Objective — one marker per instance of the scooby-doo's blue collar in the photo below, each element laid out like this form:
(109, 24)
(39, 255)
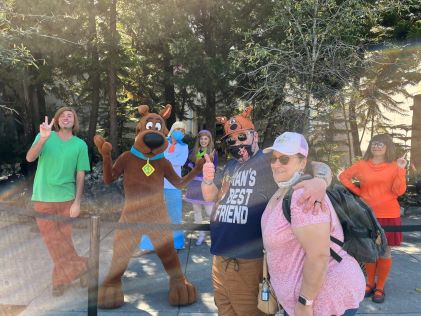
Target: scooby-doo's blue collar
(138, 154)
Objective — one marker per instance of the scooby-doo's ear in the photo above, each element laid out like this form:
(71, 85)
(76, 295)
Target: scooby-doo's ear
(166, 112)
(247, 111)
(221, 119)
(143, 109)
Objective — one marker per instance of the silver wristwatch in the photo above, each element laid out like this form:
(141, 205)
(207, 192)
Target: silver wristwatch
(305, 301)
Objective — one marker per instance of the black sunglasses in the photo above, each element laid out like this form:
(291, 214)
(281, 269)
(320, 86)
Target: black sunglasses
(283, 160)
(241, 137)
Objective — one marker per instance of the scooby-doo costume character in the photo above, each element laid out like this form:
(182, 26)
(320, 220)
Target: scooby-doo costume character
(144, 168)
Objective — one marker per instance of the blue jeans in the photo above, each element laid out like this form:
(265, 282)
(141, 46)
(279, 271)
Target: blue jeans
(348, 312)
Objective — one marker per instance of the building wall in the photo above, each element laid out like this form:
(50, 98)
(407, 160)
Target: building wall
(416, 133)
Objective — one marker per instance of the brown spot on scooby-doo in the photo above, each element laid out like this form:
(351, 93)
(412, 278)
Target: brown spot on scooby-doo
(144, 203)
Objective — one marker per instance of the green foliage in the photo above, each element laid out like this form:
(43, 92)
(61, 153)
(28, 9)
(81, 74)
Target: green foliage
(387, 73)
(11, 150)
(190, 140)
(11, 55)
(329, 153)
(414, 32)
(292, 59)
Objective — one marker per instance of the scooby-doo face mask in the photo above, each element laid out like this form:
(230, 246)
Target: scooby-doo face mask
(239, 134)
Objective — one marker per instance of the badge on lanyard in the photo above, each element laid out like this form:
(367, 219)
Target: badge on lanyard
(148, 169)
(201, 153)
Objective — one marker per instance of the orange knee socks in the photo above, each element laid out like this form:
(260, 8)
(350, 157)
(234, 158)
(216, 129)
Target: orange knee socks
(383, 269)
(370, 269)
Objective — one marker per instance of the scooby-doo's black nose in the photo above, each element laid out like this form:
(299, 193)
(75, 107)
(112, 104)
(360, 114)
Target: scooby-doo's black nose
(153, 140)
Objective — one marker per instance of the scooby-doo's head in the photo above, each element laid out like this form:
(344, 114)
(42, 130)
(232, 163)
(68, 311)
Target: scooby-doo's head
(151, 131)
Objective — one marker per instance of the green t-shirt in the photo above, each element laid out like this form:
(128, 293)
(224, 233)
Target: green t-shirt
(55, 179)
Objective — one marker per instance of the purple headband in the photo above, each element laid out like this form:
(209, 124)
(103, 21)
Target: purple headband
(205, 131)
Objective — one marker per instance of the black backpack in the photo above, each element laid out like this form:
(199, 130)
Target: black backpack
(364, 238)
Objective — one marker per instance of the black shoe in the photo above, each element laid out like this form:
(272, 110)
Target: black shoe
(378, 296)
(369, 290)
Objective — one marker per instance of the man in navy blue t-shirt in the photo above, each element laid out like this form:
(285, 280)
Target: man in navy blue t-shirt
(241, 192)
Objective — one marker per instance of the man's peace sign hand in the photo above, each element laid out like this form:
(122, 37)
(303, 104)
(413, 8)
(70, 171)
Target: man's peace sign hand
(45, 128)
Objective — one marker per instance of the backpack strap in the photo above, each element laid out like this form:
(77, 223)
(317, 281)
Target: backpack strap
(286, 205)
(286, 209)
(337, 241)
(333, 253)
(286, 201)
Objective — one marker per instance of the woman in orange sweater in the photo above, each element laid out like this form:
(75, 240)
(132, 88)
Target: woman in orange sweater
(382, 180)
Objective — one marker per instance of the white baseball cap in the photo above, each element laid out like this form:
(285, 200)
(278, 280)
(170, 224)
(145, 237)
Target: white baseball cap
(289, 143)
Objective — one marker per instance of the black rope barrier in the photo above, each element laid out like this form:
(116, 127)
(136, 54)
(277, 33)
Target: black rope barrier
(402, 228)
(13, 211)
(18, 211)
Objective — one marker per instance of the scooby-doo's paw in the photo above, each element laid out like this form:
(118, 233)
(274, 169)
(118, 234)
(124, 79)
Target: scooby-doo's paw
(103, 147)
(182, 292)
(99, 140)
(110, 296)
(200, 163)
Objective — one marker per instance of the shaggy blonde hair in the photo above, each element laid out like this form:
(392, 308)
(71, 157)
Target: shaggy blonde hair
(75, 128)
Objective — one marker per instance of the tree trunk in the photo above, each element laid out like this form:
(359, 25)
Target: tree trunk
(210, 115)
(94, 75)
(372, 126)
(36, 94)
(169, 89)
(112, 77)
(36, 119)
(210, 51)
(267, 134)
(307, 118)
(356, 143)
(352, 108)
(354, 127)
(347, 130)
(29, 127)
(41, 100)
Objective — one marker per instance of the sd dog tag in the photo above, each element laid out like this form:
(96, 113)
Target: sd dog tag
(148, 169)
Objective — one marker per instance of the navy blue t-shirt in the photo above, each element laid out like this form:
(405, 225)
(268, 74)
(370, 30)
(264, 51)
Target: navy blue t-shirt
(244, 190)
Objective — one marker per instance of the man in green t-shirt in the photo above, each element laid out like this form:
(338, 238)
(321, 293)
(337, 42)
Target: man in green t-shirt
(58, 186)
